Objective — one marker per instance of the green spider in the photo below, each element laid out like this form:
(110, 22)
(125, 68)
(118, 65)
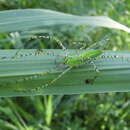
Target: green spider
(69, 60)
(73, 61)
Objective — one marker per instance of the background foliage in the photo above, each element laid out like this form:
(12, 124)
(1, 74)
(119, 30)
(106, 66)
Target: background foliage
(72, 112)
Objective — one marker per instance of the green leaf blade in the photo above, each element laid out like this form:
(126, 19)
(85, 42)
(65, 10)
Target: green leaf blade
(27, 19)
(23, 74)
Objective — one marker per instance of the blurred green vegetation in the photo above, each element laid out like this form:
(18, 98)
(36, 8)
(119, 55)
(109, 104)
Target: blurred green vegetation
(74, 112)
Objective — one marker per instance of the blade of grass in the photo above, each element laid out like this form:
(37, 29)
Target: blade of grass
(113, 76)
(26, 19)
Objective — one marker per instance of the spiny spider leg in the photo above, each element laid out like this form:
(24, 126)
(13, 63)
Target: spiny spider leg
(68, 69)
(59, 76)
(41, 52)
(102, 43)
(60, 43)
(45, 85)
(36, 53)
(95, 67)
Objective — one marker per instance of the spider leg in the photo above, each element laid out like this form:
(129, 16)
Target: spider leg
(59, 76)
(95, 67)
